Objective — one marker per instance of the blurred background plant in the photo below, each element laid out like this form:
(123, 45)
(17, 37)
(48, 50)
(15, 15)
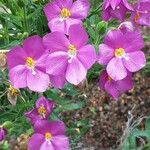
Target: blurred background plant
(22, 18)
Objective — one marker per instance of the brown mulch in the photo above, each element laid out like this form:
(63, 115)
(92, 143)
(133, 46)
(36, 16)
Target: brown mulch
(111, 116)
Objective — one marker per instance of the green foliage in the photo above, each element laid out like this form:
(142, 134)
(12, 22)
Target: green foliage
(133, 140)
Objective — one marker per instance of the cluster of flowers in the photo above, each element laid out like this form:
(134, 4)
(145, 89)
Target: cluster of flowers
(121, 52)
(64, 56)
(48, 135)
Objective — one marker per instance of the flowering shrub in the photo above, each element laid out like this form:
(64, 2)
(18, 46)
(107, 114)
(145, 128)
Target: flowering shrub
(41, 63)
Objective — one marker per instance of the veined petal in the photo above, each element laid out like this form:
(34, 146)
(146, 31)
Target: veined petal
(60, 142)
(69, 22)
(133, 41)
(64, 3)
(52, 10)
(18, 76)
(114, 3)
(116, 69)
(114, 39)
(57, 63)
(87, 55)
(38, 81)
(35, 141)
(16, 56)
(58, 81)
(57, 24)
(47, 145)
(56, 41)
(135, 61)
(76, 72)
(34, 46)
(80, 9)
(78, 36)
(106, 53)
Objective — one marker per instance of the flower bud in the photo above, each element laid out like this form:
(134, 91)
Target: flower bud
(102, 27)
(7, 125)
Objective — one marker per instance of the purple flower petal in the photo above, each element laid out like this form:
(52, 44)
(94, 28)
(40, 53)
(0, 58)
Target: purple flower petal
(34, 46)
(112, 89)
(3, 133)
(60, 142)
(114, 3)
(106, 53)
(127, 5)
(136, 41)
(103, 79)
(80, 9)
(58, 81)
(47, 145)
(52, 10)
(36, 141)
(57, 24)
(71, 21)
(119, 12)
(116, 69)
(32, 115)
(87, 55)
(78, 36)
(37, 82)
(114, 39)
(135, 61)
(54, 127)
(64, 3)
(76, 72)
(18, 76)
(116, 88)
(16, 56)
(57, 63)
(106, 14)
(125, 84)
(56, 41)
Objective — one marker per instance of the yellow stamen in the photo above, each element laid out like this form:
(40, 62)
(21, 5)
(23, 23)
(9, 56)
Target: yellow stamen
(30, 62)
(65, 13)
(48, 136)
(13, 91)
(42, 110)
(137, 16)
(72, 49)
(119, 52)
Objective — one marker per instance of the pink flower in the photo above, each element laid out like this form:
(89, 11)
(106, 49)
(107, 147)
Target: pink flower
(3, 133)
(44, 108)
(27, 65)
(115, 88)
(61, 14)
(122, 53)
(115, 9)
(49, 136)
(141, 14)
(69, 55)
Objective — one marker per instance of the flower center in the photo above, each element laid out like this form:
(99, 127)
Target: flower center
(42, 111)
(109, 78)
(65, 13)
(30, 62)
(119, 52)
(72, 50)
(137, 16)
(48, 136)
